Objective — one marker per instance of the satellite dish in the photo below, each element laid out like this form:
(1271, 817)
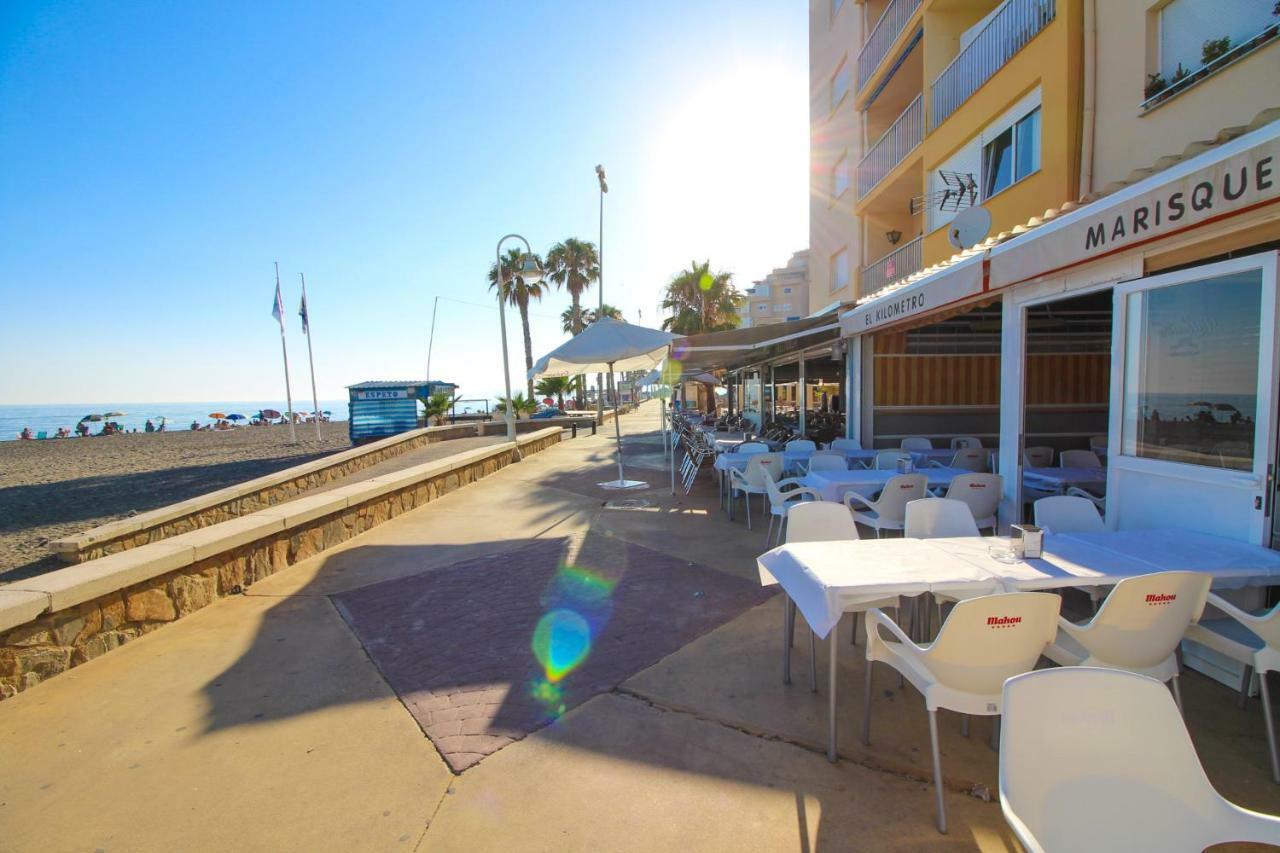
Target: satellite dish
(969, 228)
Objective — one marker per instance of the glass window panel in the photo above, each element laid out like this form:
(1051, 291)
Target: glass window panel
(840, 178)
(997, 164)
(1191, 371)
(1027, 145)
(839, 84)
(1186, 24)
(840, 271)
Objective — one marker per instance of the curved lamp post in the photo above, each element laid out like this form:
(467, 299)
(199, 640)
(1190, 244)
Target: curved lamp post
(531, 273)
(604, 188)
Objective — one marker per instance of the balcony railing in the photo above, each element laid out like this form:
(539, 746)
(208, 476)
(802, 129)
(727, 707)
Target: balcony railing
(1003, 36)
(902, 137)
(882, 36)
(898, 264)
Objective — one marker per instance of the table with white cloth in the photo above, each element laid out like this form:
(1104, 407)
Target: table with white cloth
(1058, 480)
(791, 460)
(920, 457)
(825, 578)
(833, 485)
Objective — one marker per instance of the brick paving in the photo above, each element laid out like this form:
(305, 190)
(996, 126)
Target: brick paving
(488, 650)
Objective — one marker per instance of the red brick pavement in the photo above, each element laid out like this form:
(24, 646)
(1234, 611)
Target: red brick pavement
(466, 647)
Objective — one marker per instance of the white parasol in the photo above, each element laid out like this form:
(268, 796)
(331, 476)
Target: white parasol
(606, 346)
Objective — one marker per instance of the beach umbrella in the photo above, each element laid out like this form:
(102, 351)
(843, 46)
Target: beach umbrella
(1201, 403)
(269, 413)
(326, 412)
(217, 416)
(114, 414)
(93, 418)
(236, 417)
(1225, 407)
(607, 345)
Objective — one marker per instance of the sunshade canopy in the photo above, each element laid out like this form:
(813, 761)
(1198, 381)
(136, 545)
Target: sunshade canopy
(605, 345)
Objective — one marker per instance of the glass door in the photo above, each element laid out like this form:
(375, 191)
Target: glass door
(1193, 400)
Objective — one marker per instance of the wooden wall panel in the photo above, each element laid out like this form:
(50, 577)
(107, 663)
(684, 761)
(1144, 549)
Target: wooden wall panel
(974, 380)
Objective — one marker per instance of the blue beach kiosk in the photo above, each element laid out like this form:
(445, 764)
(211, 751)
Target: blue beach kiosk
(381, 409)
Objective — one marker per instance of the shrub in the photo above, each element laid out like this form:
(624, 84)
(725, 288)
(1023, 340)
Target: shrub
(1214, 48)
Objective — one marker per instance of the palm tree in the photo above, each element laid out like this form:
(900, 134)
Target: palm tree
(556, 386)
(438, 405)
(520, 404)
(516, 291)
(701, 301)
(573, 264)
(568, 319)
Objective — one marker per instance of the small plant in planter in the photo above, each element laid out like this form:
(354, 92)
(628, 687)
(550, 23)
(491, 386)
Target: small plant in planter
(1155, 85)
(1180, 74)
(1214, 49)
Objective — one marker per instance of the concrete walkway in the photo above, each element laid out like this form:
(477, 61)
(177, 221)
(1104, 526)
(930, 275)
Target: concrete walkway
(260, 723)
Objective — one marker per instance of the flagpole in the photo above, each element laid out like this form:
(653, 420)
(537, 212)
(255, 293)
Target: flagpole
(306, 327)
(284, 350)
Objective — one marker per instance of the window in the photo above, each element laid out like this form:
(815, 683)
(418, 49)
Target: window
(762, 307)
(840, 270)
(840, 177)
(786, 290)
(839, 84)
(1185, 25)
(836, 5)
(1013, 154)
(1191, 371)
(782, 308)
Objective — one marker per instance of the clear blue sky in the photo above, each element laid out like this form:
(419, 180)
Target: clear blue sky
(158, 157)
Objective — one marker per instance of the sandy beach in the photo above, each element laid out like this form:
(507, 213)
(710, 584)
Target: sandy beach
(49, 489)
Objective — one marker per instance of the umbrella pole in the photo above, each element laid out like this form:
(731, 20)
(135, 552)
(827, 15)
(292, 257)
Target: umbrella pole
(617, 427)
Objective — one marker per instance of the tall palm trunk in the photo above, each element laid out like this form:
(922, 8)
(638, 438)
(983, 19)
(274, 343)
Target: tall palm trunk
(528, 349)
(579, 392)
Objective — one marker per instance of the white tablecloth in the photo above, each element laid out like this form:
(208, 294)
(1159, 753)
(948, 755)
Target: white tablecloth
(1059, 479)
(832, 485)
(791, 460)
(824, 577)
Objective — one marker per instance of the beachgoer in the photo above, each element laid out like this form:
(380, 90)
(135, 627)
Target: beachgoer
(63, 432)
(26, 434)
(150, 427)
(82, 429)
(195, 426)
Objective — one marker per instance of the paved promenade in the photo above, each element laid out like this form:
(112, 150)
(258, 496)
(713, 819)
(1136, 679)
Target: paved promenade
(300, 715)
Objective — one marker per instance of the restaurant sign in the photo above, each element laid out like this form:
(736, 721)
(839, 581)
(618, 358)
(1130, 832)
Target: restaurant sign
(1234, 182)
(925, 296)
(384, 394)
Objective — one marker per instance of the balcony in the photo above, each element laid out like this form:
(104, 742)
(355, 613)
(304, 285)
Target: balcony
(902, 137)
(898, 264)
(886, 31)
(1006, 34)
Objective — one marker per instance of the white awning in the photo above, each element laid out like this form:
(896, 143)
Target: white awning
(926, 295)
(1228, 179)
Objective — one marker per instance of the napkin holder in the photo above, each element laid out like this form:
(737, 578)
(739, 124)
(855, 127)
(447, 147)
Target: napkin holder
(906, 465)
(1027, 540)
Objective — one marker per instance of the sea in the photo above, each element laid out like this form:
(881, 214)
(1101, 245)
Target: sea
(179, 416)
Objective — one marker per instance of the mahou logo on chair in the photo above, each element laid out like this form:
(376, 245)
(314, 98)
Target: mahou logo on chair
(1161, 597)
(1003, 621)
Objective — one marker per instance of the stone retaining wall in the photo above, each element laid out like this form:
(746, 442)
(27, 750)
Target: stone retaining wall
(253, 495)
(93, 613)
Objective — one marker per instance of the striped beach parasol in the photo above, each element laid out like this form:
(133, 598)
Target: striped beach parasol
(217, 416)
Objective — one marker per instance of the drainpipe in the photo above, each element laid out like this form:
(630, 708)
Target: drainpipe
(1089, 96)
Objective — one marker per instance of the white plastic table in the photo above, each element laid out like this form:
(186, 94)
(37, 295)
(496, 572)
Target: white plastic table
(823, 578)
(1060, 479)
(833, 485)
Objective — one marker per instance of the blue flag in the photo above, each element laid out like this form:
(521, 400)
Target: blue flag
(277, 309)
(302, 312)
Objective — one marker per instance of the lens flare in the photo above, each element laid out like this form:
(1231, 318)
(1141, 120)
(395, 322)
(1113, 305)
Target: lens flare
(561, 641)
(705, 281)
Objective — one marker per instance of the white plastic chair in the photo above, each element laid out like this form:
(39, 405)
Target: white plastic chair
(1079, 459)
(783, 496)
(916, 442)
(967, 460)
(1068, 514)
(821, 521)
(801, 444)
(752, 447)
(938, 518)
(1138, 628)
(1038, 457)
(1253, 639)
(751, 481)
(1098, 444)
(1100, 760)
(845, 444)
(827, 460)
(984, 641)
(889, 511)
(981, 493)
(887, 460)
(1099, 501)
(966, 442)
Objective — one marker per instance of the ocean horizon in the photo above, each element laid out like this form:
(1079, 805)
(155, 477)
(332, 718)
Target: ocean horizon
(50, 416)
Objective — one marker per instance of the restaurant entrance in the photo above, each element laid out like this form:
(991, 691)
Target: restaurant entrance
(1066, 389)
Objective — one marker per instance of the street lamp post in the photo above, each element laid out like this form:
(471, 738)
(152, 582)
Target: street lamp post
(531, 273)
(604, 188)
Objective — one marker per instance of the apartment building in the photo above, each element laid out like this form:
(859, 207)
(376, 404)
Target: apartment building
(835, 146)
(780, 296)
(955, 104)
